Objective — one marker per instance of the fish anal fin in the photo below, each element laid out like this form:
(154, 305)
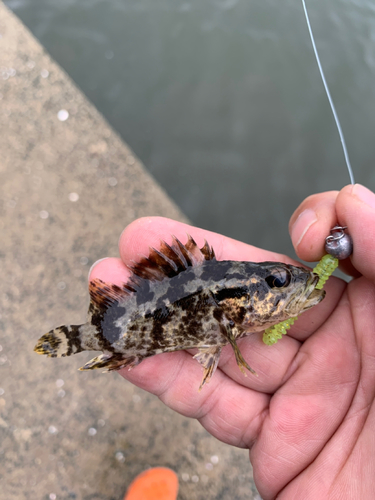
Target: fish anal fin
(208, 357)
(111, 362)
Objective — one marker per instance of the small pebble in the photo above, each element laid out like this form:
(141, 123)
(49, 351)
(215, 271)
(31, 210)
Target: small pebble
(209, 466)
(44, 73)
(214, 459)
(73, 197)
(195, 479)
(1, 391)
(63, 115)
(92, 431)
(43, 214)
(52, 496)
(52, 429)
(112, 181)
(59, 382)
(185, 477)
(120, 457)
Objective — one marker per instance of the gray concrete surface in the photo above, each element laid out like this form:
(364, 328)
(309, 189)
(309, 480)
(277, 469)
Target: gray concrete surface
(68, 188)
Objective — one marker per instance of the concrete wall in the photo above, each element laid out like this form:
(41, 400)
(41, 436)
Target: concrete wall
(68, 187)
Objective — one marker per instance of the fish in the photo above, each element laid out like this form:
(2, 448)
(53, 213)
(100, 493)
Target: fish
(182, 297)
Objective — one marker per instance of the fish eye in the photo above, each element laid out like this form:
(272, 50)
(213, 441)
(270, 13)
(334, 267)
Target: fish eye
(279, 278)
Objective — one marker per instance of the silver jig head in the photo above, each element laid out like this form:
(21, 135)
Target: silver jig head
(339, 244)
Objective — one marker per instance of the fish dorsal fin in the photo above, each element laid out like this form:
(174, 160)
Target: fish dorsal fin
(168, 261)
(172, 259)
(208, 251)
(104, 294)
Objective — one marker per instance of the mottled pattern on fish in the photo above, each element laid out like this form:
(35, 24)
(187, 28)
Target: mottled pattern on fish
(181, 297)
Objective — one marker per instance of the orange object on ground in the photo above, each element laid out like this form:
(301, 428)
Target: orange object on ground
(158, 483)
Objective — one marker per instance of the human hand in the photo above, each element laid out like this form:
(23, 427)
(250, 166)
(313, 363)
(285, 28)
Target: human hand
(308, 419)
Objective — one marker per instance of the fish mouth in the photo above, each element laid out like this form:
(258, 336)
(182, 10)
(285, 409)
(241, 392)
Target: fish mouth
(312, 295)
(308, 297)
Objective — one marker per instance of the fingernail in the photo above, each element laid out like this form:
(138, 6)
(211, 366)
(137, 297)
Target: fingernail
(304, 221)
(95, 264)
(364, 195)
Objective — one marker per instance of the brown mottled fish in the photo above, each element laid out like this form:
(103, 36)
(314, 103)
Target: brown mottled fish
(181, 297)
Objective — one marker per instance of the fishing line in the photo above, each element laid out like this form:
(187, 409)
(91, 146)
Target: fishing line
(339, 245)
(329, 96)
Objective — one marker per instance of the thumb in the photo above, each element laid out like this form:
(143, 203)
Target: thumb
(355, 208)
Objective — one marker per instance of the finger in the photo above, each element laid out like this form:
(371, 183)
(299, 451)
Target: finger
(311, 224)
(147, 232)
(355, 208)
(110, 270)
(140, 235)
(229, 411)
(316, 216)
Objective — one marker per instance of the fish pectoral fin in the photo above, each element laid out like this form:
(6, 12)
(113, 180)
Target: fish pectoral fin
(239, 358)
(111, 362)
(208, 357)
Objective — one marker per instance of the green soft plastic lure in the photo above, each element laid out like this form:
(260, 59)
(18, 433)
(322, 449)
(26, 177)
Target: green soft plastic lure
(323, 269)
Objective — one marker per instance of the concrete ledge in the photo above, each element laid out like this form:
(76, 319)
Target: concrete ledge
(69, 186)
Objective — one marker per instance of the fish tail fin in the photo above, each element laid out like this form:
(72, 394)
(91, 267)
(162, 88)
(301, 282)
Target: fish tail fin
(60, 342)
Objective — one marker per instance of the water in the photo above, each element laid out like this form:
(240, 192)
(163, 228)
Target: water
(222, 99)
